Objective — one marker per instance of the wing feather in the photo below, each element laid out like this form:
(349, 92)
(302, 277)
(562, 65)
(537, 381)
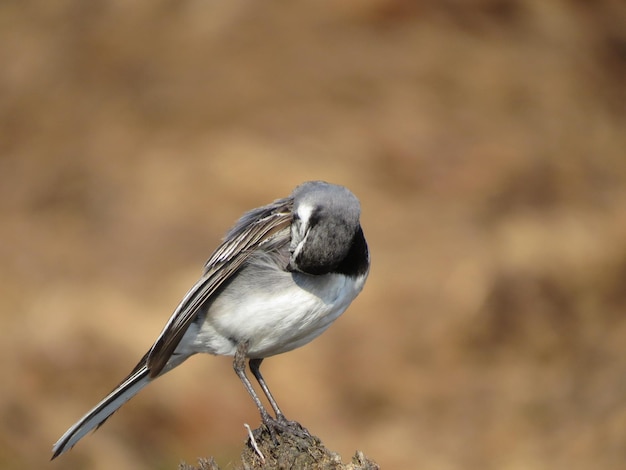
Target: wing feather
(252, 231)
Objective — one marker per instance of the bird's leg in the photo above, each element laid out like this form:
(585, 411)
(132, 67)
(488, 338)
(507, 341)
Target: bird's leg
(255, 365)
(239, 364)
(281, 423)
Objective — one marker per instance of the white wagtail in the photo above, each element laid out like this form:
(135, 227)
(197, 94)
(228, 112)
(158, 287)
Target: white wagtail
(282, 275)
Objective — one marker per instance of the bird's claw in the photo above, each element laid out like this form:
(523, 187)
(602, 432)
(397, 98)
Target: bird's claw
(282, 425)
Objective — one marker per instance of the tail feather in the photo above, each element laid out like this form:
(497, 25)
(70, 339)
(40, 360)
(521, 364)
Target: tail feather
(137, 380)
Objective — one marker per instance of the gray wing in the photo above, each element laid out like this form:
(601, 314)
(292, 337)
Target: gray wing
(252, 231)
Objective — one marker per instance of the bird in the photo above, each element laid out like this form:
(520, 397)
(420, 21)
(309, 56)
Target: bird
(281, 276)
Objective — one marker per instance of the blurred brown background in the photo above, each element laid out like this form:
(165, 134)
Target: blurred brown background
(486, 140)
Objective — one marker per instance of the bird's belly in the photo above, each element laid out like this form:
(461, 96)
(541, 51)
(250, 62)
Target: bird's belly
(276, 320)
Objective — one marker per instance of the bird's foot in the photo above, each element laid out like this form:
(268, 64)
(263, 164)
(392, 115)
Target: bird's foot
(281, 425)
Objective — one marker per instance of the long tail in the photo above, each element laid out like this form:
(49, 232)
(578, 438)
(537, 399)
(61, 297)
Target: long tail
(137, 380)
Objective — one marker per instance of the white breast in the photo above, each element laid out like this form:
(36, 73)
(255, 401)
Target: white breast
(276, 316)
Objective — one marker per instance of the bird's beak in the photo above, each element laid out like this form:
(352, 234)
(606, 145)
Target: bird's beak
(290, 267)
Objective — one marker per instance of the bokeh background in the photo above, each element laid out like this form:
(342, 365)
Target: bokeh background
(486, 140)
